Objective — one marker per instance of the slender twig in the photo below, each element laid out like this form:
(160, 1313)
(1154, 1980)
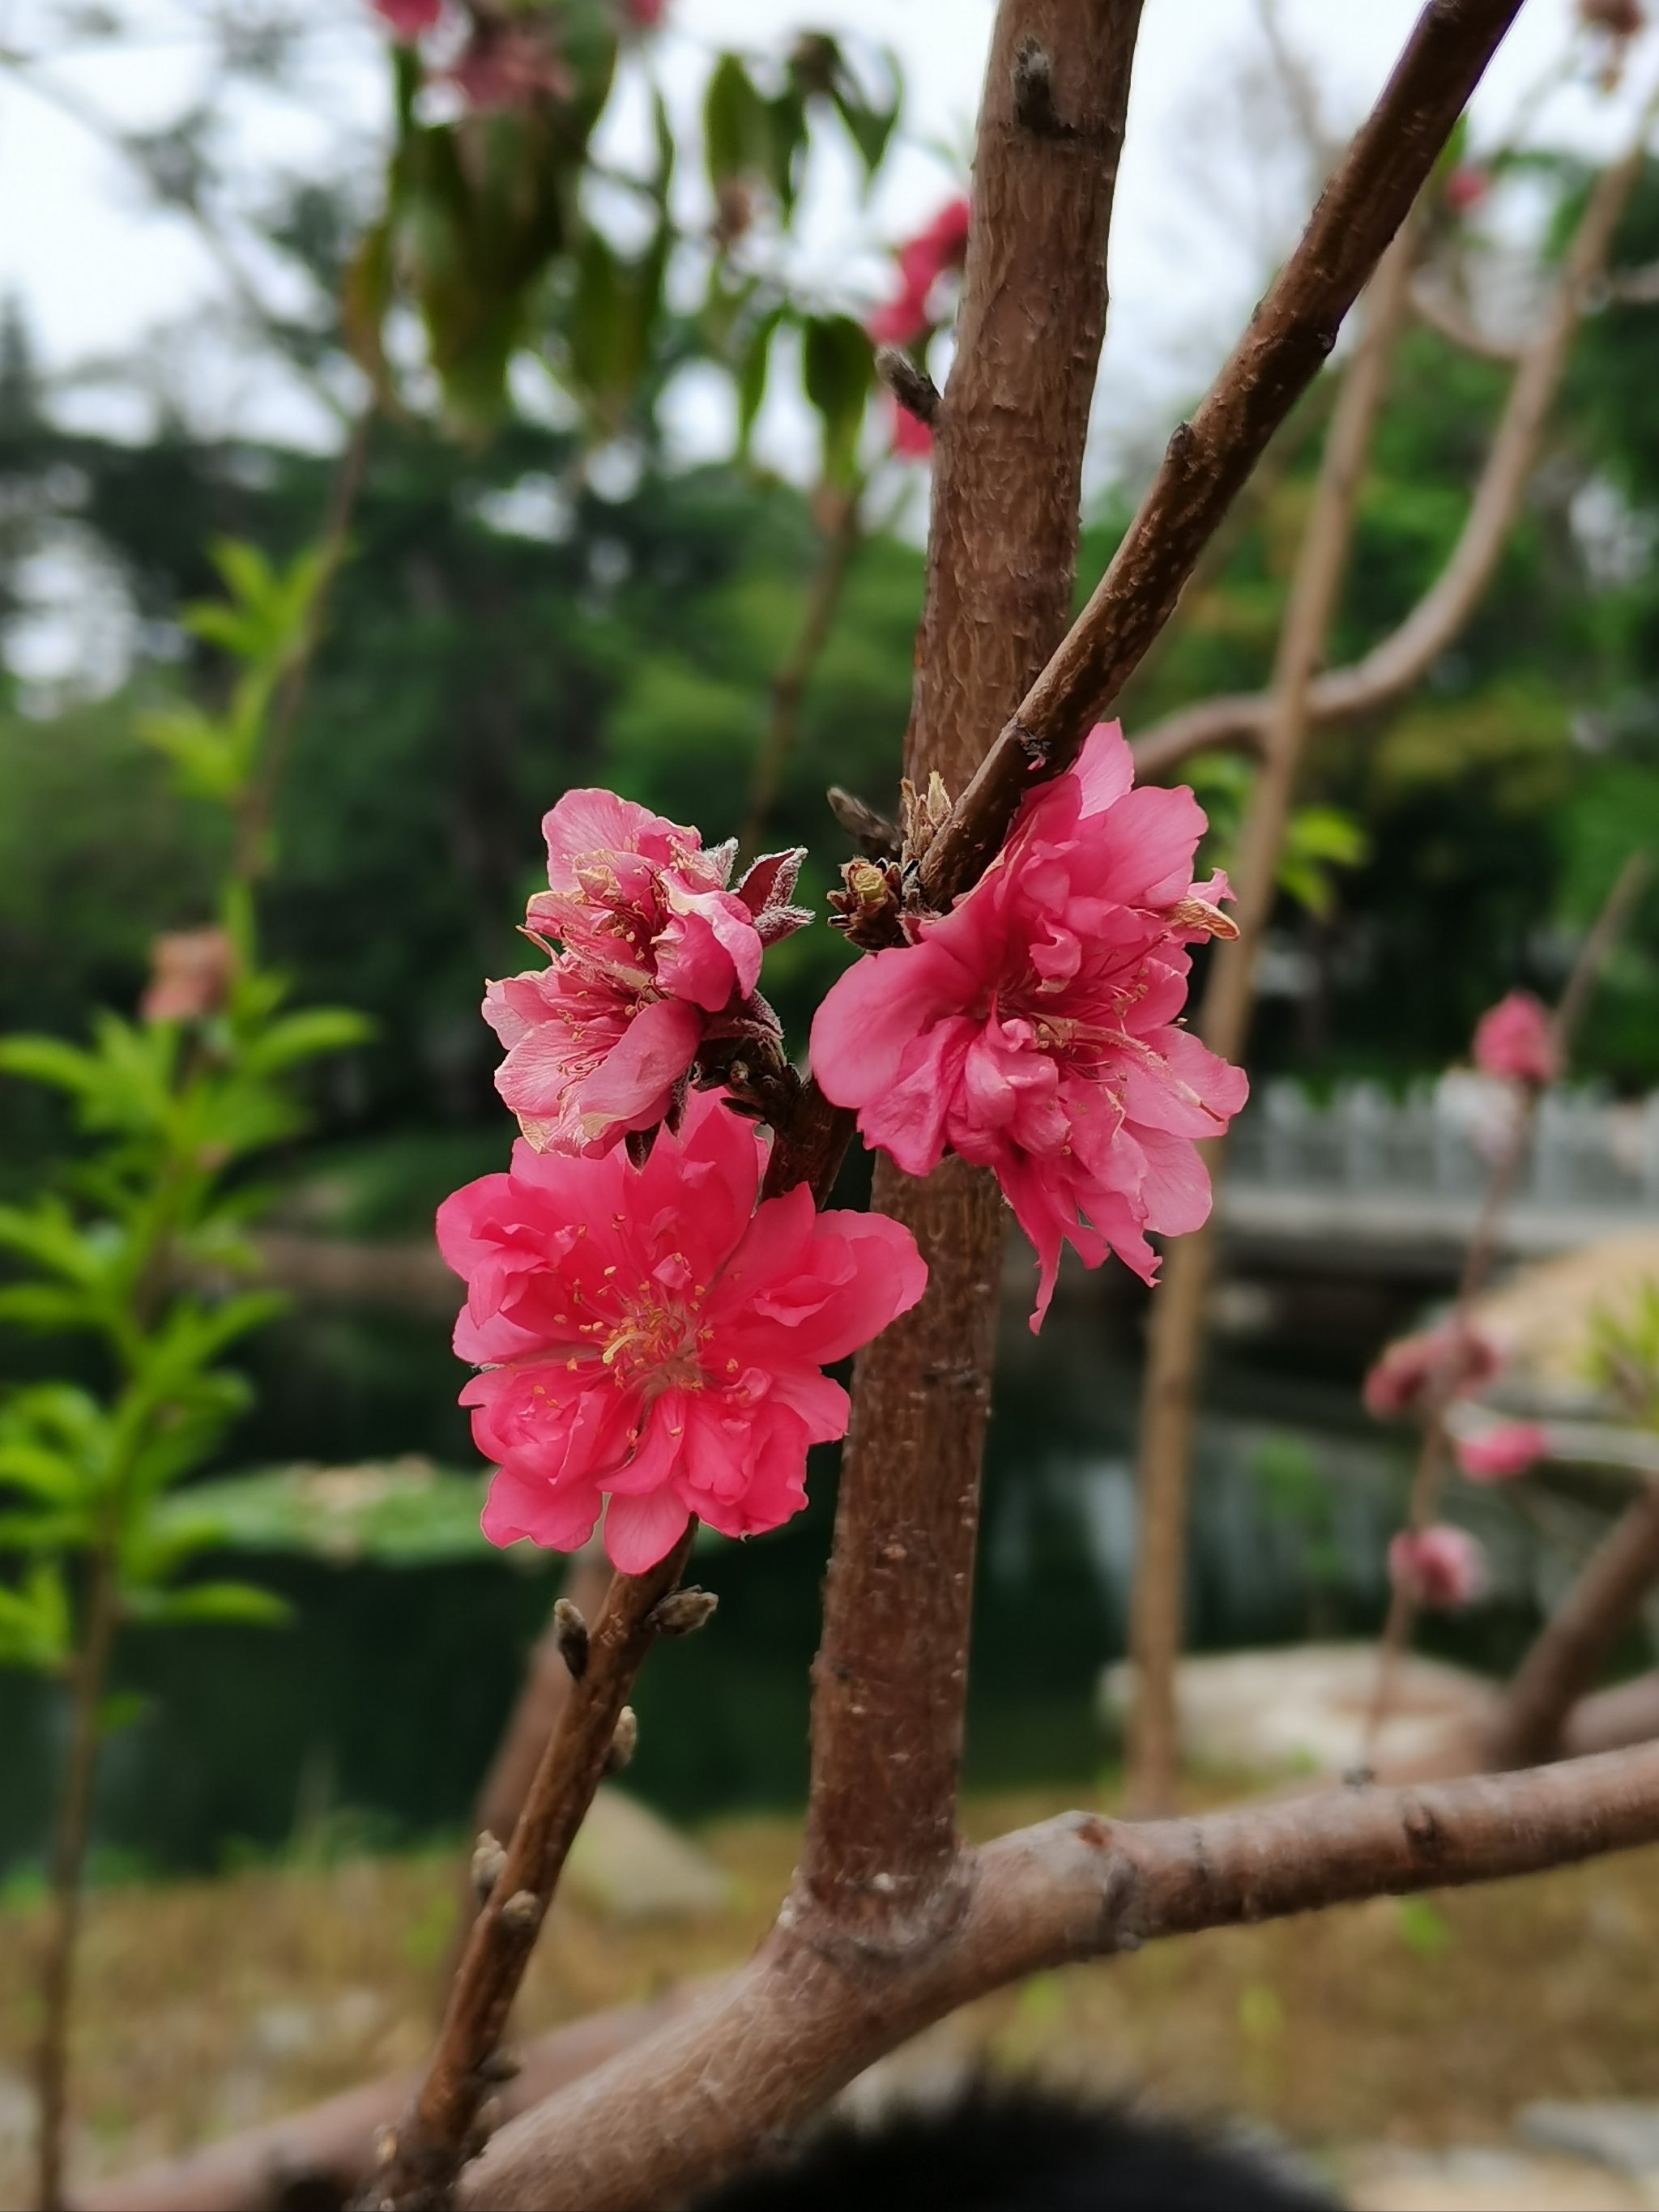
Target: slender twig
(67, 1869)
(1576, 1640)
(422, 2156)
(841, 532)
(1208, 459)
(259, 803)
(1435, 1453)
(1177, 1329)
(1401, 658)
(535, 1717)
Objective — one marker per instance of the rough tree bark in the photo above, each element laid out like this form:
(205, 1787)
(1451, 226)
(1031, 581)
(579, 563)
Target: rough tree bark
(891, 1672)
(1176, 1343)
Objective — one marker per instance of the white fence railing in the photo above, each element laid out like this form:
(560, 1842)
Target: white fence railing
(1588, 1153)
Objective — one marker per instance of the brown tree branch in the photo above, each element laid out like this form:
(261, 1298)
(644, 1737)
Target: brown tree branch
(814, 2008)
(1177, 1324)
(1576, 1640)
(1401, 658)
(1432, 1460)
(425, 2153)
(530, 1725)
(1450, 319)
(1208, 459)
(890, 1676)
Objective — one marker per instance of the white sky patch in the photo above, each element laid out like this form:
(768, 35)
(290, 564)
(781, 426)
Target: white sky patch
(1207, 198)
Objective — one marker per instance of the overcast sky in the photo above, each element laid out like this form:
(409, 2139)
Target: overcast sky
(1204, 204)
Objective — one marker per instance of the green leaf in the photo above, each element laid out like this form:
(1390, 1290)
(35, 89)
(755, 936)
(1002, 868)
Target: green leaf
(49, 1306)
(35, 1627)
(48, 1060)
(393, 1513)
(754, 365)
(122, 1709)
(241, 1602)
(734, 129)
(1423, 1927)
(304, 1035)
(837, 367)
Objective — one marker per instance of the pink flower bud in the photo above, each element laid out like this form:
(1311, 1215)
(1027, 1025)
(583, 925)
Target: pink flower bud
(191, 976)
(1438, 1566)
(408, 19)
(1508, 1448)
(1415, 1373)
(1517, 1038)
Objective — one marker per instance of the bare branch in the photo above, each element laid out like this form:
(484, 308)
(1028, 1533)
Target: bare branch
(1406, 654)
(1177, 1322)
(1577, 1639)
(425, 2152)
(766, 2049)
(1208, 459)
(1450, 319)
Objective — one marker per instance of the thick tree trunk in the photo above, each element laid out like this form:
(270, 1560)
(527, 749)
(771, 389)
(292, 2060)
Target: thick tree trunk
(891, 1673)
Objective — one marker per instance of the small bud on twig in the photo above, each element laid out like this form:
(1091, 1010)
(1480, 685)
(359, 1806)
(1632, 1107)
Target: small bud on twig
(570, 1634)
(1034, 93)
(498, 2066)
(908, 382)
(489, 1857)
(624, 1742)
(683, 1612)
(522, 1913)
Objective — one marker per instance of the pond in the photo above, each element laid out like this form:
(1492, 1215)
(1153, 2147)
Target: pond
(369, 1720)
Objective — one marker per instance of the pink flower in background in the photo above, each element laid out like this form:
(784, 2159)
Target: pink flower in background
(658, 956)
(408, 19)
(192, 971)
(1517, 1038)
(1465, 188)
(506, 65)
(643, 15)
(1496, 1453)
(647, 1334)
(913, 439)
(1445, 1363)
(1437, 1567)
(1034, 1029)
(942, 245)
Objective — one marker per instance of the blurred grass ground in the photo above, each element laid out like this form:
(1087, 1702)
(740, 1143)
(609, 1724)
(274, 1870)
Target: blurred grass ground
(209, 2005)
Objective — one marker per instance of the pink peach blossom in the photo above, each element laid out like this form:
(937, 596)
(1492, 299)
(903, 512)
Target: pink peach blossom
(1517, 1038)
(509, 65)
(646, 1333)
(913, 439)
(1035, 1028)
(658, 956)
(1465, 188)
(921, 263)
(1508, 1448)
(1437, 1567)
(1410, 1376)
(408, 19)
